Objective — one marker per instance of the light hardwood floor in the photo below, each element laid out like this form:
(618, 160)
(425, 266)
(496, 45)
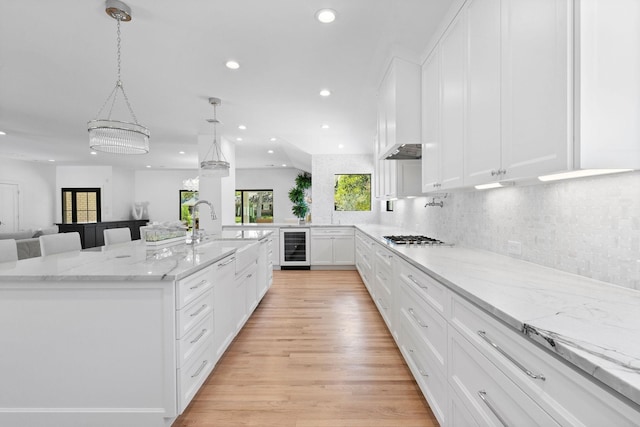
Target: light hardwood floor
(314, 353)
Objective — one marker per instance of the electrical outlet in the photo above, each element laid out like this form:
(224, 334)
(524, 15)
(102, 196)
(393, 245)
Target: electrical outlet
(514, 248)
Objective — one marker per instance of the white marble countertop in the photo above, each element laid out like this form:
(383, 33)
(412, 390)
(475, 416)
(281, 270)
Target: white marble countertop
(591, 324)
(284, 225)
(132, 261)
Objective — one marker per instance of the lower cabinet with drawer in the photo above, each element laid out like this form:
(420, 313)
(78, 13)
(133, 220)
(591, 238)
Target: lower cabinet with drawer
(384, 277)
(332, 246)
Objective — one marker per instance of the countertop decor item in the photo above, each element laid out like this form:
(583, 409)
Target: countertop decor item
(218, 164)
(115, 136)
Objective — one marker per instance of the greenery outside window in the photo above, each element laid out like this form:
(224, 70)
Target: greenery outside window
(188, 198)
(80, 205)
(254, 206)
(352, 192)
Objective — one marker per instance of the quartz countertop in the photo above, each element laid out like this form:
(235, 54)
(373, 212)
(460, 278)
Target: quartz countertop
(131, 261)
(284, 225)
(593, 325)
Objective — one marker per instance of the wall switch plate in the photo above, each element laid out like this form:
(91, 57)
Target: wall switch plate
(514, 248)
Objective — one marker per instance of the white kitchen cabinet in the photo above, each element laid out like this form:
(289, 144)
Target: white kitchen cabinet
(223, 291)
(431, 95)
(607, 85)
(452, 79)
(536, 80)
(567, 396)
(483, 142)
(245, 295)
(384, 284)
(332, 246)
(399, 105)
(364, 259)
(265, 266)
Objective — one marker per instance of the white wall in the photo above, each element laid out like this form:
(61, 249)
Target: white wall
(589, 226)
(324, 167)
(161, 188)
(36, 183)
(279, 180)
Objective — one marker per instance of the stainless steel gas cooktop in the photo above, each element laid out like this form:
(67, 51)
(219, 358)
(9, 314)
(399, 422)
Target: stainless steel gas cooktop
(416, 240)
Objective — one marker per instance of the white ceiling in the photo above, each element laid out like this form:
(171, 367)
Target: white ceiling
(58, 64)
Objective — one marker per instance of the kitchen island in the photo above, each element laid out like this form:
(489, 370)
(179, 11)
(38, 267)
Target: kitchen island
(492, 339)
(124, 335)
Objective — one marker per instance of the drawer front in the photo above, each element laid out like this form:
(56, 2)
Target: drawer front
(561, 391)
(195, 340)
(338, 231)
(192, 314)
(384, 258)
(491, 398)
(430, 375)
(193, 286)
(191, 377)
(428, 324)
(429, 289)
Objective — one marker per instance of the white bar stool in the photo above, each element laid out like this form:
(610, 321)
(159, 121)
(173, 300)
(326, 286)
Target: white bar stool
(116, 235)
(57, 243)
(8, 250)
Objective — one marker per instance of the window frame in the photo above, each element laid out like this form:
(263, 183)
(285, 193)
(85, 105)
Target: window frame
(74, 207)
(242, 191)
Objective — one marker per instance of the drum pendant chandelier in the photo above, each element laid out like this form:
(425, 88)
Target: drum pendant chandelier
(218, 164)
(115, 136)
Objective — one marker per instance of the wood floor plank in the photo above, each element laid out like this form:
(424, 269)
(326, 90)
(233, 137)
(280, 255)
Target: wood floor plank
(315, 353)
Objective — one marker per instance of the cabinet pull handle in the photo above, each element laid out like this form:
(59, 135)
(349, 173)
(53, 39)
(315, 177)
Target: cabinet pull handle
(249, 275)
(417, 319)
(202, 282)
(199, 310)
(200, 335)
(222, 264)
(417, 283)
(422, 371)
(204, 363)
(382, 305)
(520, 366)
(485, 399)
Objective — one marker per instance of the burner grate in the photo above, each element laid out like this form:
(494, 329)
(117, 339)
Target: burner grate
(414, 240)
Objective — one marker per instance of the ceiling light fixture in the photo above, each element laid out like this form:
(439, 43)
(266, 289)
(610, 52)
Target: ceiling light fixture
(325, 126)
(239, 139)
(2, 133)
(341, 146)
(284, 165)
(242, 127)
(93, 153)
(232, 65)
(270, 151)
(218, 165)
(325, 92)
(272, 139)
(180, 152)
(326, 16)
(115, 136)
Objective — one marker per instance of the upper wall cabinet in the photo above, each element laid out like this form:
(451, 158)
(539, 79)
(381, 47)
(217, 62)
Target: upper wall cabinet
(399, 106)
(542, 88)
(607, 85)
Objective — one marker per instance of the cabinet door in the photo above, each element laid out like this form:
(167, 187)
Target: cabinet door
(408, 178)
(535, 101)
(343, 250)
(482, 149)
(431, 122)
(321, 250)
(223, 279)
(453, 57)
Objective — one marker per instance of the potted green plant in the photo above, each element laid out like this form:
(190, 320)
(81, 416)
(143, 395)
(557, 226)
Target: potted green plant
(297, 196)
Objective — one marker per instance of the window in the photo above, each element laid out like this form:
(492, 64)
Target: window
(188, 198)
(352, 192)
(254, 206)
(80, 205)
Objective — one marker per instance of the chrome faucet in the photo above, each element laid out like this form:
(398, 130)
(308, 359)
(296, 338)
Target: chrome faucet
(196, 227)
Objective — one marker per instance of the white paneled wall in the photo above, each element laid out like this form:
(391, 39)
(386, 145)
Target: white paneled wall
(589, 226)
(323, 169)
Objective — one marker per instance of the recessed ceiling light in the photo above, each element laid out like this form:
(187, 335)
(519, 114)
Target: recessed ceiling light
(325, 92)
(233, 65)
(2, 133)
(242, 127)
(284, 165)
(326, 16)
(341, 146)
(239, 139)
(181, 152)
(270, 151)
(325, 126)
(272, 139)
(148, 166)
(51, 160)
(93, 153)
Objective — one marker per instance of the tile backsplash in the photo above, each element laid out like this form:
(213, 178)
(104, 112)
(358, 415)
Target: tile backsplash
(588, 226)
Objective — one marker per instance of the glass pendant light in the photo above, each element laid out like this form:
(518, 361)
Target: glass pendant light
(217, 165)
(116, 136)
